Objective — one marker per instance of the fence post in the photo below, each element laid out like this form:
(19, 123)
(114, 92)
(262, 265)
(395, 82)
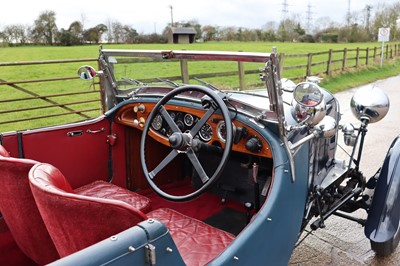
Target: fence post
(241, 75)
(387, 51)
(344, 59)
(366, 56)
(357, 57)
(309, 63)
(329, 63)
(391, 52)
(184, 71)
(281, 61)
(374, 53)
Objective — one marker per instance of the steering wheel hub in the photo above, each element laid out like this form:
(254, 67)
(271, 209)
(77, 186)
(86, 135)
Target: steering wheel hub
(180, 141)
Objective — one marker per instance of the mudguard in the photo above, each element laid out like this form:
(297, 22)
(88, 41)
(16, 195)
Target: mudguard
(384, 213)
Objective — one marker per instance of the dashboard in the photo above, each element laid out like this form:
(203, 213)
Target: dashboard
(245, 139)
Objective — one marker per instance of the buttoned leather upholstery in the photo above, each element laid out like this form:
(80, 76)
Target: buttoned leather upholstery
(77, 221)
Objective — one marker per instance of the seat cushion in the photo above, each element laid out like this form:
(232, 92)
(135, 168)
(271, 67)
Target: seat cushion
(4, 152)
(105, 190)
(198, 242)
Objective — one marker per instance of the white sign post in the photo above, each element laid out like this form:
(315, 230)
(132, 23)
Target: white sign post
(383, 36)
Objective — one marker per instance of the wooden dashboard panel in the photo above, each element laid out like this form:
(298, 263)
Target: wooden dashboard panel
(135, 115)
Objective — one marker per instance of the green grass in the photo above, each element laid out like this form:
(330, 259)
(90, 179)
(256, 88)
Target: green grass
(147, 70)
(365, 75)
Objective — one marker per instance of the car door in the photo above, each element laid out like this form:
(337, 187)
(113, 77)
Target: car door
(81, 151)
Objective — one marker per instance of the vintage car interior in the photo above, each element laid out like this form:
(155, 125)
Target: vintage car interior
(201, 166)
(183, 174)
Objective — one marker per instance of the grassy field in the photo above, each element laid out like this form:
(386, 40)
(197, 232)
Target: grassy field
(8, 94)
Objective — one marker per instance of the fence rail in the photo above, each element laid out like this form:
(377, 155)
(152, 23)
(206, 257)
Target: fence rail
(39, 97)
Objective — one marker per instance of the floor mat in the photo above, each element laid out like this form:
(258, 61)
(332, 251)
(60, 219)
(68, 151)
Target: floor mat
(229, 220)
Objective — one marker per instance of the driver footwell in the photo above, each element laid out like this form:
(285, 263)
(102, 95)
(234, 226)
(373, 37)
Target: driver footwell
(230, 216)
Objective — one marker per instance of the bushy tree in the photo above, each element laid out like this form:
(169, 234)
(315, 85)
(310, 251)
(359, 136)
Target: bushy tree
(93, 35)
(45, 28)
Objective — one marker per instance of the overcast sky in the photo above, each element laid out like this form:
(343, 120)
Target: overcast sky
(148, 16)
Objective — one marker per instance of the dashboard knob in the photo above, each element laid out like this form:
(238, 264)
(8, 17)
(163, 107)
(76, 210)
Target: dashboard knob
(254, 144)
(139, 108)
(142, 121)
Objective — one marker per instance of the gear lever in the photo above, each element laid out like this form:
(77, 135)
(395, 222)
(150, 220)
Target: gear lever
(256, 187)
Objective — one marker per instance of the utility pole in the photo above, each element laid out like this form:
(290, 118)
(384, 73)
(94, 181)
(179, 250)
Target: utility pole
(172, 16)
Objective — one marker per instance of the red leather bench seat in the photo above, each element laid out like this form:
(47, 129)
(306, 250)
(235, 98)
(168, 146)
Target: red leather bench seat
(198, 242)
(76, 221)
(105, 190)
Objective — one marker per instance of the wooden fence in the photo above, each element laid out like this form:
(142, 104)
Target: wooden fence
(334, 61)
(30, 102)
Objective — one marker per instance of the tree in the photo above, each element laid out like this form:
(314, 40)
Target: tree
(15, 33)
(209, 33)
(129, 34)
(45, 27)
(76, 30)
(94, 34)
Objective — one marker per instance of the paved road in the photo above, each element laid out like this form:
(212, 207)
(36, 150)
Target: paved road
(343, 242)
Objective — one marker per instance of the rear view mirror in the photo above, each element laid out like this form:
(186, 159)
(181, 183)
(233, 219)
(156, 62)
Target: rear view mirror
(87, 72)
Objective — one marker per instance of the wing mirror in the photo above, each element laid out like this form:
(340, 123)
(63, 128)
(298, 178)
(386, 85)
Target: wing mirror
(308, 106)
(87, 72)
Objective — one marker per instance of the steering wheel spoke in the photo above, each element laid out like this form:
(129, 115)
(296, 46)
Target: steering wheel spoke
(197, 166)
(171, 123)
(163, 163)
(202, 121)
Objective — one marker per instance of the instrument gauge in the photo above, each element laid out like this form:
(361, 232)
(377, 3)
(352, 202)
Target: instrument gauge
(157, 122)
(206, 132)
(188, 119)
(172, 114)
(221, 130)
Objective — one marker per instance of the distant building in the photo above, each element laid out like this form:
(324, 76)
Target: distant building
(181, 35)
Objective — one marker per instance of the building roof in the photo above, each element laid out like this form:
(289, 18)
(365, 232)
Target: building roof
(183, 31)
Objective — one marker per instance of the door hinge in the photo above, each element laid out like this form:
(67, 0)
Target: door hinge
(111, 139)
(150, 253)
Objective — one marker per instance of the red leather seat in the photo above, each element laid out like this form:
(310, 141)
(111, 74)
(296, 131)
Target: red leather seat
(4, 152)
(77, 221)
(20, 212)
(22, 217)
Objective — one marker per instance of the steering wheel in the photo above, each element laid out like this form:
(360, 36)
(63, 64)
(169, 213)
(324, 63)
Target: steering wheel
(186, 143)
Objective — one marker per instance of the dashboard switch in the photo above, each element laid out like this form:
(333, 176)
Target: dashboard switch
(254, 144)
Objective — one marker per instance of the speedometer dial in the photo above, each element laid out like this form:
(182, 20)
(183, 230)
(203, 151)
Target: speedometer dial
(221, 130)
(206, 132)
(188, 120)
(157, 122)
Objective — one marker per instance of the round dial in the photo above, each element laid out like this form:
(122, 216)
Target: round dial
(221, 130)
(188, 120)
(180, 125)
(206, 132)
(157, 122)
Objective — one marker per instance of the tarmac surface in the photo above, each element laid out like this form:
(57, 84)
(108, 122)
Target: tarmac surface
(343, 242)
